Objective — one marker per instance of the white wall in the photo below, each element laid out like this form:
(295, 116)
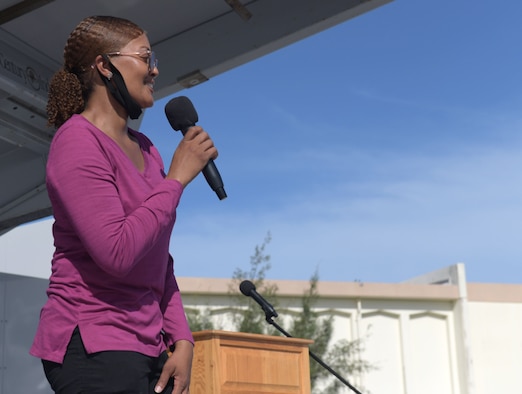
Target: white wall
(451, 338)
(423, 339)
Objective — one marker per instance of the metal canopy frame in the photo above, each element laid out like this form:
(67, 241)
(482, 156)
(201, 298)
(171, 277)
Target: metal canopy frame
(196, 40)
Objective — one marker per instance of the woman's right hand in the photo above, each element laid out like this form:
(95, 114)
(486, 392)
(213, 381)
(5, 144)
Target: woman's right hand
(192, 154)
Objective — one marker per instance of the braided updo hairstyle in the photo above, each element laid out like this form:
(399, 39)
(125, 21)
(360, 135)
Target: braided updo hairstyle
(71, 86)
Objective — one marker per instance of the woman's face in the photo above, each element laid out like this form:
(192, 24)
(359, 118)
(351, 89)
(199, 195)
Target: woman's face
(133, 64)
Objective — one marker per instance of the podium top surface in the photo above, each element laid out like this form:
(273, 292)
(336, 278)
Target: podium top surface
(231, 335)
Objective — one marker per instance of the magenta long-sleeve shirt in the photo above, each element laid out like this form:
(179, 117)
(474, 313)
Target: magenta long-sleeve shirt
(112, 275)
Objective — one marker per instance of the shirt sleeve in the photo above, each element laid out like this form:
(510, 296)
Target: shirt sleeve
(175, 322)
(81, 182)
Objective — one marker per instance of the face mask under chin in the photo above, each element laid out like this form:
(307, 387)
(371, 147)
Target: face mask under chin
(119, 91)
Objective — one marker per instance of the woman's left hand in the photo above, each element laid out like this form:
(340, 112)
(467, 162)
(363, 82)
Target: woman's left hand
(178, 366)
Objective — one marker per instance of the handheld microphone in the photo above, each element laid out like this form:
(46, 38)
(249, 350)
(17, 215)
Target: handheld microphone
(249, 289)
(182, 115)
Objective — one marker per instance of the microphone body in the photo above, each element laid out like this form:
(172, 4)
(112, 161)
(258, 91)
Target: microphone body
(182, 115)
(249, 289)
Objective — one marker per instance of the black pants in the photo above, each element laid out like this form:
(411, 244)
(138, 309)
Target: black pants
(109, 372)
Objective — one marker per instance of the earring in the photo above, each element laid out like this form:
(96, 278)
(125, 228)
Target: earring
(109, 76)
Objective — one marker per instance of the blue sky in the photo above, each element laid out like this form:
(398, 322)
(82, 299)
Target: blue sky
(381, 149)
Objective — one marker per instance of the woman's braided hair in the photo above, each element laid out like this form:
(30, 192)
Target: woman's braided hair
(71, 86)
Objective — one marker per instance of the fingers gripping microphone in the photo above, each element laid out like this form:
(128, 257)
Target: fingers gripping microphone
(182, 115)
(249, 289)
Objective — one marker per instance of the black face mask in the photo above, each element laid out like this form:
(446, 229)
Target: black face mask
(119, 91)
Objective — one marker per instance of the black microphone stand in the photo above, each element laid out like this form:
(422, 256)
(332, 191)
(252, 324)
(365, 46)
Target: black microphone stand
(269, 319)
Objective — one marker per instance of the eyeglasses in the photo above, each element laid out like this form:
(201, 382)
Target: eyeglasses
(147, 56)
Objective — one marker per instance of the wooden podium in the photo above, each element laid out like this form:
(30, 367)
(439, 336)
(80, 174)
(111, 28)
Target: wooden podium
(239, 363)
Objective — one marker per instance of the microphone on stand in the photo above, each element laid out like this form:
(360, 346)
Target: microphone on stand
(249, 289)
(182, 115)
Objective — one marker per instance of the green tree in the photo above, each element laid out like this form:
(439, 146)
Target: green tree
(308, 325)
(341, 356)
(249, 319)
(200, 319)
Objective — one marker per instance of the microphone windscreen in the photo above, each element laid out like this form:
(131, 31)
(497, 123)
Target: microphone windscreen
(181, 113)
(246, 287)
